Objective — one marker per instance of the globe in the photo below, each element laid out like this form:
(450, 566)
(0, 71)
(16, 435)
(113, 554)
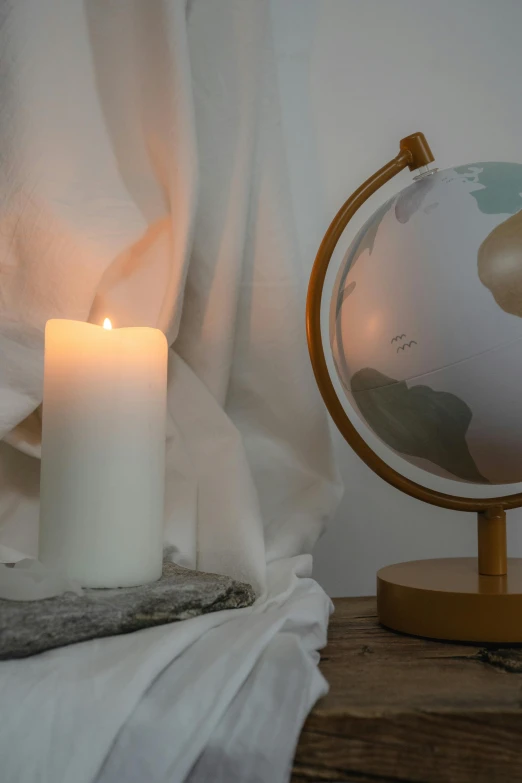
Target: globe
(426, 323)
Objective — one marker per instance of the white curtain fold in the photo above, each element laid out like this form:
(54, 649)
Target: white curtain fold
(143, 177)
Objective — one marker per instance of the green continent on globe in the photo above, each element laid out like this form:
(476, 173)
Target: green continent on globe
(502, 186)
(407, 203)
(343, 295)
(410, 200)
(364, 239)
(417, 422)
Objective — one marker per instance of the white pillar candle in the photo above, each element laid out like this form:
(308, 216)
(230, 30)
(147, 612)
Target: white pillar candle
(103, 453)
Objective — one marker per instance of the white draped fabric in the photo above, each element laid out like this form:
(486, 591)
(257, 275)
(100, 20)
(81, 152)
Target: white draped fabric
(142, 176)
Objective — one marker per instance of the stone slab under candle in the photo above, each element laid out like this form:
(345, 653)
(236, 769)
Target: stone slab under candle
(30, 627)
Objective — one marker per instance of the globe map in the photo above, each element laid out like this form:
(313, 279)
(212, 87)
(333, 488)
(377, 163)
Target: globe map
(426, 323)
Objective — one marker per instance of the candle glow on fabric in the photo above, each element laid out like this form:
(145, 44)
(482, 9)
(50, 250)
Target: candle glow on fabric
(103, 452)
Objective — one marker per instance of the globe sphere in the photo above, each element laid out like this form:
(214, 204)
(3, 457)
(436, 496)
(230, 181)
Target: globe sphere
(426, 323)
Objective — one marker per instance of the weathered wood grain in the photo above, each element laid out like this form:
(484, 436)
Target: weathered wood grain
(407, 709)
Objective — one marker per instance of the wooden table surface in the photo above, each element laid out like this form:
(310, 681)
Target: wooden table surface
(407, 709)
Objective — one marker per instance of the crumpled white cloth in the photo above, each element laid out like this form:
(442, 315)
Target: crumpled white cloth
(30, 580)
(143, 177)
(133, 708)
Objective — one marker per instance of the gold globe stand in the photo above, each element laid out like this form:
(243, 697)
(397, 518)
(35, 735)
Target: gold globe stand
(465, 599)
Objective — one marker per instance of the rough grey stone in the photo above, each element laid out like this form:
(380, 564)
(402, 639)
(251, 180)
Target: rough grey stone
(30, 627)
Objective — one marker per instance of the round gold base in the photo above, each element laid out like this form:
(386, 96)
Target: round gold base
(449, 599)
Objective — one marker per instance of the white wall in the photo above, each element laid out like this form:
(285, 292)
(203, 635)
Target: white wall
(355, 77)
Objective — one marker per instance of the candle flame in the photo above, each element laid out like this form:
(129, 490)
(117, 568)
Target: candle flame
(107, 324)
